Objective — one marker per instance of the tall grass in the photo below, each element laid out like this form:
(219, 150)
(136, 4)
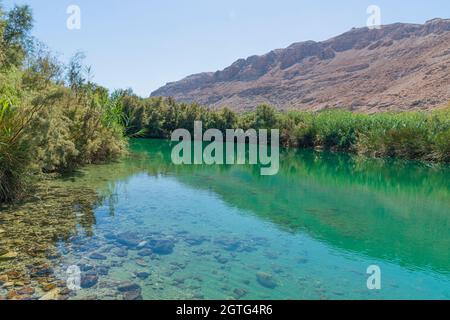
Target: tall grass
(408, 135)
(14, 151)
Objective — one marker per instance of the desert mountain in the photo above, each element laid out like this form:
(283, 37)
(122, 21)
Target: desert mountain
(400, 66)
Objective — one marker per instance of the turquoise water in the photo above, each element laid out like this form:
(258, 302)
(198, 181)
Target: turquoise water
(226, 232)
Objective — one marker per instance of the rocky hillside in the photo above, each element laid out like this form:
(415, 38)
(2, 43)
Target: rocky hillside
(400, 66)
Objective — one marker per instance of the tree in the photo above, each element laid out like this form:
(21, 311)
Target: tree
(76, 73)
(266, 117)
(15, 32)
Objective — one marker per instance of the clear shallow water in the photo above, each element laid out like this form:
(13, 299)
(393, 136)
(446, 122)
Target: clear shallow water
(208, 232)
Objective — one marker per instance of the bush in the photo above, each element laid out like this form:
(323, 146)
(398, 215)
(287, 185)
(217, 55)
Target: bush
(45, 125)
(407, 135)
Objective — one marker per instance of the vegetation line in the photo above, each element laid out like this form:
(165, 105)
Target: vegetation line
(408, 135)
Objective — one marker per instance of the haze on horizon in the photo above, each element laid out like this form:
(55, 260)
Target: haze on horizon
(146, 44)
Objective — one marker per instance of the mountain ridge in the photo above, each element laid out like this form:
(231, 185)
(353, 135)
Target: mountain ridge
(400, 66)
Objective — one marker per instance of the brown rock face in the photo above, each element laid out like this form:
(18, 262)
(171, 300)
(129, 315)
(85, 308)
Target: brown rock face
(398, 67)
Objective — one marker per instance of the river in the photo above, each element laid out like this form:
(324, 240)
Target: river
(145, 228)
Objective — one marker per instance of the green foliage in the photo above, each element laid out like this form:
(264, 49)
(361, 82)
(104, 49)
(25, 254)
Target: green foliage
(46, 126)
(9, 153)
(407, 135)
(15, 27)
(77, 128)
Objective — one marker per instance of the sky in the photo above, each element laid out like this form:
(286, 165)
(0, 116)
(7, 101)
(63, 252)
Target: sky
(143, 44)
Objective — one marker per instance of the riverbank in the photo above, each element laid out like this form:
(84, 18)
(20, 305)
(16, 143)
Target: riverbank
(419, 135)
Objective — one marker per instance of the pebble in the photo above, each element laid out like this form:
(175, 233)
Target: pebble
(102, 270)
(52, 295)
(163, 247)
(142, 244)
(128, 239)
(239, 293)
(86, 267)
(48, 286)
(121, 253)
(26, 291)
(8, 256)
(89, 280)
(128, 286)
(195, 241)
(14, 295)
(133, 295)
(266, 280)
(3, 278)
(141, 263)
(221, 259)
(142, 275)
(97, 256)
(145, 253)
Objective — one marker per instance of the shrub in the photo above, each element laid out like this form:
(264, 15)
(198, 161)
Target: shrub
(408, 135)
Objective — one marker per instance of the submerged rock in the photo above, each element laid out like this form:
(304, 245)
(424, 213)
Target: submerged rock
(128, 286)
(46, 287)
(89, 280)
(162, 247)
(121, 252)
(41, 271)
(26, 291)
(229, 244)
(145, 253)
(3, 279)
(8, 256)
(195, 241)
(52, 295)
(239, 293)
(128, 239)
(133, 295)
(142, 244)
(102, 270)
(142, 275)
(141, 263)
(221, 259)
(198, 296)
(97, 256)
(266, 280)
(86, 267)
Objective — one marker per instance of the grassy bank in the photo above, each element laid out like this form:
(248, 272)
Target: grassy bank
(408, 135)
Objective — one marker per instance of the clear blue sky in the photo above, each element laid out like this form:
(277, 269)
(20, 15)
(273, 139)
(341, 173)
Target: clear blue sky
(142, 44)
